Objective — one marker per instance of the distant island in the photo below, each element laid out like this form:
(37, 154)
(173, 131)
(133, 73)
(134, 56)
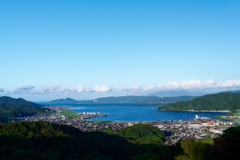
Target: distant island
(67, 100)
(126, 99)
(218, 102)
(12, 108)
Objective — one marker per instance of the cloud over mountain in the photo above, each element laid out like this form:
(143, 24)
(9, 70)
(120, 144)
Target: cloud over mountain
(185, 85)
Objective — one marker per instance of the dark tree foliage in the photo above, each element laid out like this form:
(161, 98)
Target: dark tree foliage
(158, 152)
(3, 118)
(43, 140)
(11, 108)
(220, 101)
(227, 146)
(232, 113)
(191, 150)
(142, 133)
(187, 149)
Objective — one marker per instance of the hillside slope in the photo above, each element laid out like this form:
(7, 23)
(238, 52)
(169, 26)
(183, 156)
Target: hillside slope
(141, 133)
(66, 100)
(11, 108)
(43, 140)
(220, 101)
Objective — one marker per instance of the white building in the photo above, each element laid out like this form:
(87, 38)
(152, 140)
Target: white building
(196, 116)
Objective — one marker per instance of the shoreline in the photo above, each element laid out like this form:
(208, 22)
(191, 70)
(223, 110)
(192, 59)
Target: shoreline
(97, 120)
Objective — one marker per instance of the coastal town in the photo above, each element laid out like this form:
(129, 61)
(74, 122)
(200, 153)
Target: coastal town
(175, 130)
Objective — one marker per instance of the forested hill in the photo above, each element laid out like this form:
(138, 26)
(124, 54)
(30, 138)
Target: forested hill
(11, 108)
(127, 99)
(9, 101)
(220, 101)
(43, 140)
(67, 100)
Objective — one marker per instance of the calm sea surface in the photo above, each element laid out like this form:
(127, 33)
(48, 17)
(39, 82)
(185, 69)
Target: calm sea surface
(129, 112)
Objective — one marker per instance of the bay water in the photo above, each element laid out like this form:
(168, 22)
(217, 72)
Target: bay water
(135, 112)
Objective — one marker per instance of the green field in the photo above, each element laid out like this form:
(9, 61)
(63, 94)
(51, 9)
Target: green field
(231, 119)
(206, 140)
(67, 112)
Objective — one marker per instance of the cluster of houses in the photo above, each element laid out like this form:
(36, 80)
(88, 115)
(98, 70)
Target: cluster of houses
(194, 128)
(56, 116)
(90, 126)
(175, 130)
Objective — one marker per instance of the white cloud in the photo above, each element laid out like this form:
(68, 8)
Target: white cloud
(57, 89)
(185, 85)
(229, 83)
(175, 85)
(149, 87)
(81, 89)
(54, 89)
(103, 88)
(191, 84)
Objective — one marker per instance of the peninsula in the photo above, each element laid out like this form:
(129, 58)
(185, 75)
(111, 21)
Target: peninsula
(126, 99)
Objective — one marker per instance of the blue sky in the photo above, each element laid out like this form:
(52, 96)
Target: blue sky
(90, 49)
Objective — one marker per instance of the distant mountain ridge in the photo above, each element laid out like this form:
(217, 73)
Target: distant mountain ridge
(67, 100)
(126, 99)
(219, 101)
(5, 100)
